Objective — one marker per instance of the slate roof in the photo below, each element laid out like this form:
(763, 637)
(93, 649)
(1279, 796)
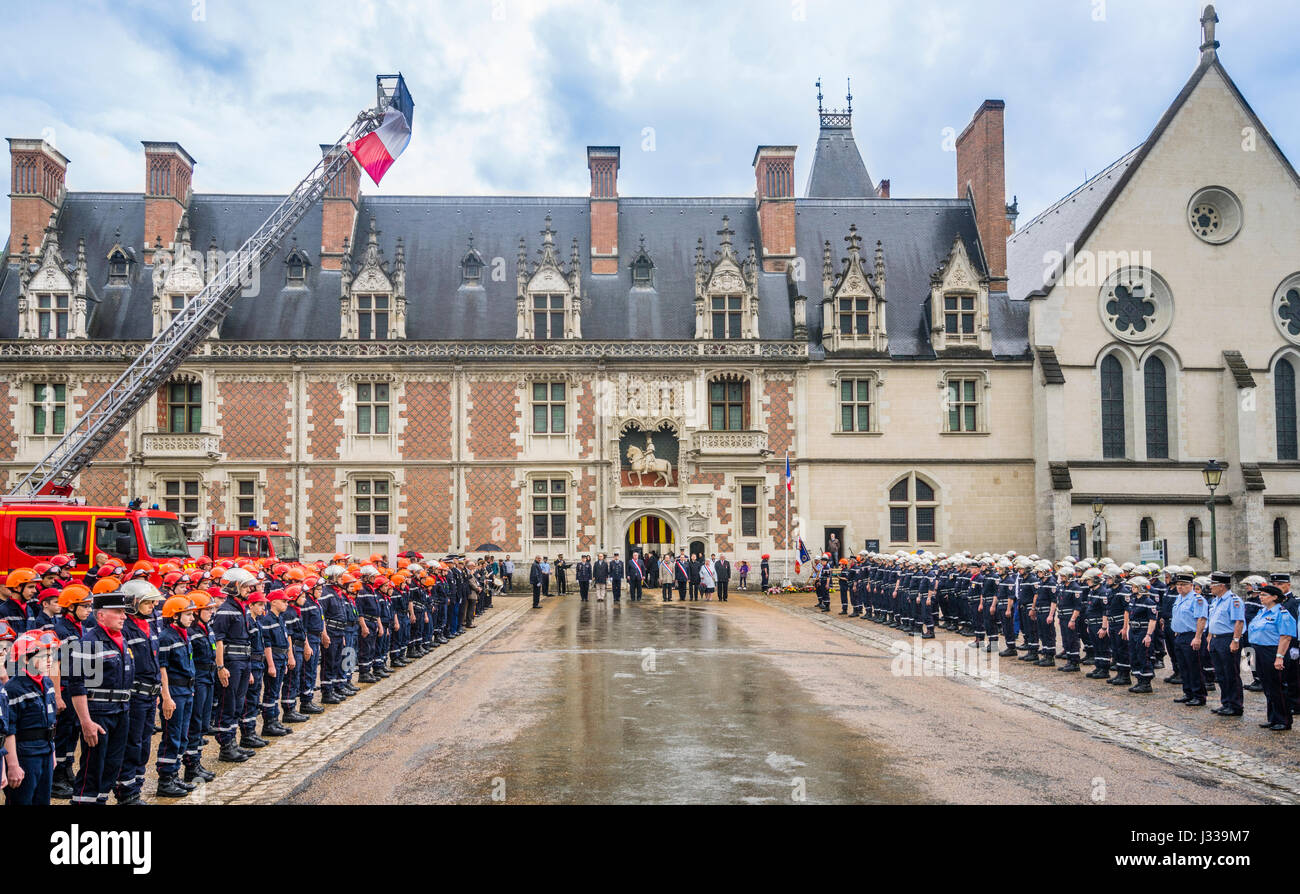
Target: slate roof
(837, 169)
(916, 235)
(1057, 226)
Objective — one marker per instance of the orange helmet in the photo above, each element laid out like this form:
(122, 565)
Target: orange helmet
(346, 579)
(376, 558)
(402, 562)
(73, 594)
(354, 587)
(295, 574)
(34, 641)
(341, 557)
(143, 565)
(18, 577)
(168, 568)
(428, 582)
(353, 568)
(177, 604)
(200, 599)
(106, 585)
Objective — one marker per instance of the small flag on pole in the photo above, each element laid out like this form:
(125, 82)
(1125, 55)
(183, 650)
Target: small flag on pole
(377, 150)
(789, 477)
(803, 556)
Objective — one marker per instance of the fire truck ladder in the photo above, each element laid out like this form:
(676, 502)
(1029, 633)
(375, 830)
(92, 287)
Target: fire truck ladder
(202, 315)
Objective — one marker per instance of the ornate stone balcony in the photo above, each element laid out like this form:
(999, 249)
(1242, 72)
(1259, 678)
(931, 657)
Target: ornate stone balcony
(735, 443)
(167, 445)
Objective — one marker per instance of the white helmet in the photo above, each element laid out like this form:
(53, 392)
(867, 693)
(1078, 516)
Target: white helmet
(1091, 574)
(1138, 580)
(368, 571)
(237, 577)
(140, 590)
(415, 568)
(332, 571)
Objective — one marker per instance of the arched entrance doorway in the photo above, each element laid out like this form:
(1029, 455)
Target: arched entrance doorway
(650, 533)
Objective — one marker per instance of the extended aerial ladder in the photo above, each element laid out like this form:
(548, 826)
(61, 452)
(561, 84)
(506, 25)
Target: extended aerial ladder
(54, 474)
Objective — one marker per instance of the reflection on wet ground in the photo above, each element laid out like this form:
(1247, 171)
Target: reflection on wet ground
(672, 703)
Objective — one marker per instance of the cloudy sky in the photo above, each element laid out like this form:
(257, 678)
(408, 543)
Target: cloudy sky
(509, 93)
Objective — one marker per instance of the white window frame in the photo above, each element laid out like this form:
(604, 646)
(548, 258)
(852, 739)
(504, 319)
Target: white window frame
(175, 502)
(371, 498)
(358, 312)
(59, 307)
(872, 403)
(237, 495)
(49, 407)
(549, 544)
(370, 406)
(980, 402)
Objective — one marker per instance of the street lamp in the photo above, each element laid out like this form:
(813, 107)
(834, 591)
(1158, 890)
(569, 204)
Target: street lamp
(1213, 475)
(1097, 507)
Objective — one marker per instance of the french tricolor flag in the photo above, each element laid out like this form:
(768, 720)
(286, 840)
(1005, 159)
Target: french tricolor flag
(377, 150)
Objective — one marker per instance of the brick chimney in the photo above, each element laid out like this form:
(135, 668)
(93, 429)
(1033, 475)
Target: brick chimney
(774, 196)
(981, 172)
(602, 161)
(168, 170)
(339, 209)
(36, 188)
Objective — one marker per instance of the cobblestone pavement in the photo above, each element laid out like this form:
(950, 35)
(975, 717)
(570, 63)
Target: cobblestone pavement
(1233, 751)
(757, 700)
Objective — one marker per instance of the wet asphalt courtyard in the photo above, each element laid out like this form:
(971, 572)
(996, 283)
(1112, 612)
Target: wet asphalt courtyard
(737, 703)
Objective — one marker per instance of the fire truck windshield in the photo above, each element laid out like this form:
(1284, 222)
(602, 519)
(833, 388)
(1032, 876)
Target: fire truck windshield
(164, 538)
(286, 548)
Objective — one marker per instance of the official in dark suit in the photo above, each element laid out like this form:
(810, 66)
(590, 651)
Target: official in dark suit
(693, 568)
(617, 572)
(722, 571)
(582, 573)
(562, 574)
(635, 577)
(600, 576)
(535, 577)
(681, 575)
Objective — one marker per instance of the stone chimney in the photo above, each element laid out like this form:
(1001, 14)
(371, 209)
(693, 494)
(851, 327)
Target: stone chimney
(168, 170)
(882, 191)
(339, 209)
(774, 196)
(981, 174)
(36, 190)
(602, 162)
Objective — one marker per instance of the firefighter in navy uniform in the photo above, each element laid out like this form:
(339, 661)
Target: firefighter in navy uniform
(1008, 592)
(293, 626)
(1139, 630)
(142, 639)
(32, 694)
(205, 682)
(1116, 607)
(1165, 629)
(233, 656)
(1251, 585)
(1026, 590)
(311, 624)
(176, 672)
(1043, 613)
(75, 600)
(1069, 609)
(275, 636)
(995, 600)
(259, 667)
(99, 681)
(1096, 599)
(335, 619)
(1291, 658)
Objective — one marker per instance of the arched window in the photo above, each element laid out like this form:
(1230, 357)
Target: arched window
(1157, 407)
(1281, 539)
(1146, 529)
(1284, 400)
(1112, 408)
(912, 497)
(1193, 538)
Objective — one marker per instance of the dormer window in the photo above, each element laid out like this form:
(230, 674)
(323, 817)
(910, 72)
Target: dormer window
(295, 266)
(643, 269)
(175, 304)
(372, 317)
(548, 317)
(853, 301)
(471, 272)
(51, 316)
(726, 291)
(726, 312)
(471, 266)
(119, 268)
(959, 317)
(549, 293)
